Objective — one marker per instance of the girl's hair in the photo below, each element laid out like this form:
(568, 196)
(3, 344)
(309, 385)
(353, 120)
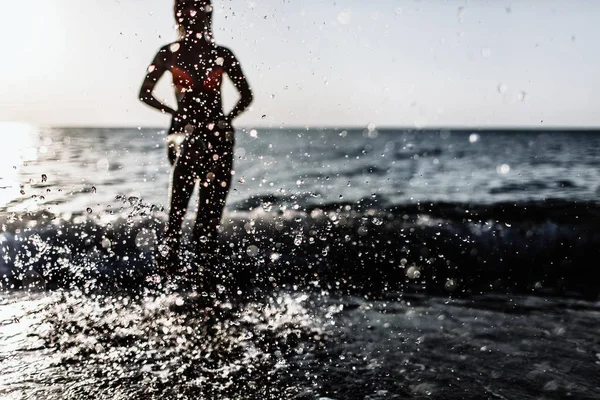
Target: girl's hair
(207, 5)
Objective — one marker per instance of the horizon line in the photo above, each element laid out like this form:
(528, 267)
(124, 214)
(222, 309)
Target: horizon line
(333, 127)
(355, 127)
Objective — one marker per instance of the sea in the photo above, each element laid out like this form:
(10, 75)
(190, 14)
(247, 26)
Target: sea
(354, 263)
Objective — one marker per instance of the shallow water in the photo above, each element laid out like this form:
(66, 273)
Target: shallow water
(297, 345)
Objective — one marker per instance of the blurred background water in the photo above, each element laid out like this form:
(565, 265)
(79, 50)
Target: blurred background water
(71, 170)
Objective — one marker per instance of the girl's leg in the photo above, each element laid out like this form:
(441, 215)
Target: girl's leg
(180, 191)
(213, 191)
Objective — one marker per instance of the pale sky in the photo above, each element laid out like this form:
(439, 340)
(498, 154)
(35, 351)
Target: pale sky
(315, 63)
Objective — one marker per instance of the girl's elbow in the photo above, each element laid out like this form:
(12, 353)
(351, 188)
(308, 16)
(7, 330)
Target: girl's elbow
(145, 94)
(249, 97)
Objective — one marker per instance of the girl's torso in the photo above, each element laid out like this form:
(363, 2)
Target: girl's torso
(197, 72)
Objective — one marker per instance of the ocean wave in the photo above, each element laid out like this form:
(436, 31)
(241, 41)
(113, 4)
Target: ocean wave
(534, 186)
(449, 248)
(411, 152)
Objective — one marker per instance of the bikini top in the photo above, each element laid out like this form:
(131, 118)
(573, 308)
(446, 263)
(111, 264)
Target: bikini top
(199, 76)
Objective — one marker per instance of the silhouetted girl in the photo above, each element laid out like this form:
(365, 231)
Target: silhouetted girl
(205, 155)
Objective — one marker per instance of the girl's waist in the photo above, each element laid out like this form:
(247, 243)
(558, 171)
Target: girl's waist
(180, 124)
(208, 133)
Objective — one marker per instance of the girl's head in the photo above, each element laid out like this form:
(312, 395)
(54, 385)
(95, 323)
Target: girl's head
(194, 17)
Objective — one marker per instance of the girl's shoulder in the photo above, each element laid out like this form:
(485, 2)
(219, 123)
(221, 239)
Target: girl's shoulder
(225, 53)
(224, 50)
(165, 53)
(170, 48)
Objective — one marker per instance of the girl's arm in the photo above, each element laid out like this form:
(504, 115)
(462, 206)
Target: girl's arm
(234, 71)
(158, 67)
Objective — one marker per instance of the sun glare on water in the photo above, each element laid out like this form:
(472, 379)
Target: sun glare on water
(17, 146)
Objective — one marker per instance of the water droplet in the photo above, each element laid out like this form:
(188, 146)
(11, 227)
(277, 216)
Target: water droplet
(372, 132)
(503, 169)
(145, 239)
(93, 189)
(486, 52)
(413, 273)
(502, 88)
(89, 210)
(252, 250)
(102, 164)
(253, 133)
(473, 138)
(450, 285)
(298, 240)
(163, 249)
(44, 177)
